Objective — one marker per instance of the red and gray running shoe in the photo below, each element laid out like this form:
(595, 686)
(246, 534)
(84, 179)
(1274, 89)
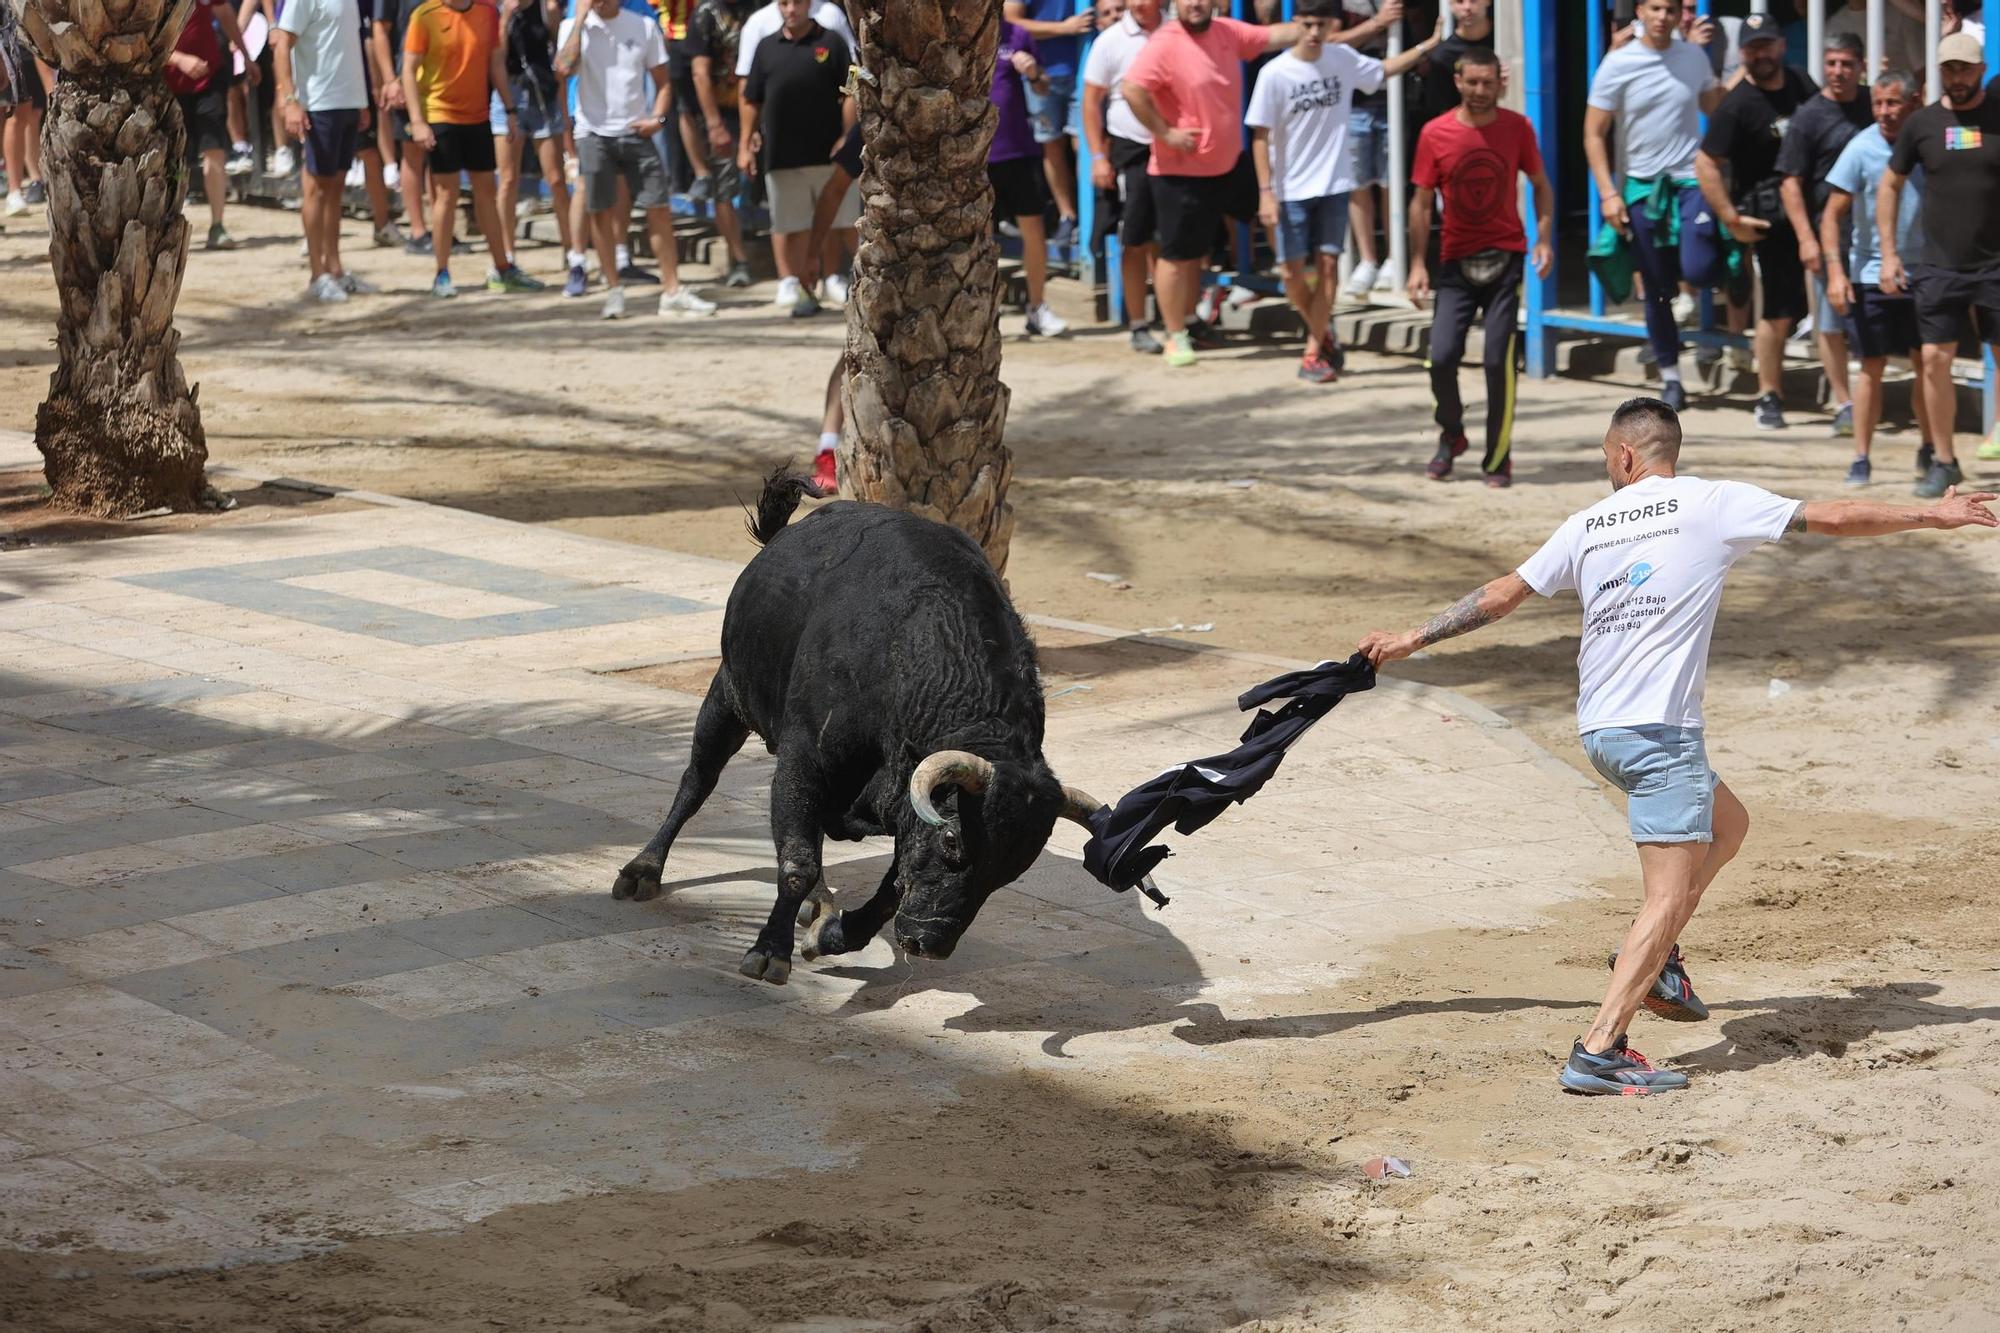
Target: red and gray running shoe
(1449, 447)
(1618, 1072)
(1672, 996)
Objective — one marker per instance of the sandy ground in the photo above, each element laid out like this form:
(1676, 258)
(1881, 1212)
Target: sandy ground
(1829, 1169)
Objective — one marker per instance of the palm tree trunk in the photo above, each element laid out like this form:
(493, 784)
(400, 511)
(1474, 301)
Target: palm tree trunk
(925, 406)
(119, 432)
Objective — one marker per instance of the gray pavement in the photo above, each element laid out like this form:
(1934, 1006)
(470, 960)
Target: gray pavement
(306, 834)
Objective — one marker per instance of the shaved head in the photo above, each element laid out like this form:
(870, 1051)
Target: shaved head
(1644, 439)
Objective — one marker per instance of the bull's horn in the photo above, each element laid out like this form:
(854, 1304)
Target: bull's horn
(947, 768)
(1079, 806)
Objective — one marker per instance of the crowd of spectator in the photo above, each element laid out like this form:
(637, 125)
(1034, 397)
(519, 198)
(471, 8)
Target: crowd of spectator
(1723, 171)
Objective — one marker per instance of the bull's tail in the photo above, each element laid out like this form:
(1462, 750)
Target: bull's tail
(783, 490)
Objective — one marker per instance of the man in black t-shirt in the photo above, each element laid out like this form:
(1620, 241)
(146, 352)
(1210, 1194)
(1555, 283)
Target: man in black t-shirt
(794, 101)
(1820, 129)
(1745, 132)
(1471, 26)
(1956, 279)
(385, 53)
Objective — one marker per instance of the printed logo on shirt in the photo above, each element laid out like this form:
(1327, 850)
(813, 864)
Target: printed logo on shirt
(820, 54)
(1961, 136)
(1640, 573)
(1477, 184)
(1611, 518)
(1323, 94)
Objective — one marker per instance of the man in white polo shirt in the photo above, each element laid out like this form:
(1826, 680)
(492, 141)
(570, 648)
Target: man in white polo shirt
(768, 20)
(610, 52)
(1120, 149)
(1648, 564)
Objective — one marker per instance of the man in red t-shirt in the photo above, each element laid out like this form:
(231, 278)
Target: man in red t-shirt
(1186, 87)
(198, 75)
(1472, 155)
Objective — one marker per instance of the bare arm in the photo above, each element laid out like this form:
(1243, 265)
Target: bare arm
(1482, 606)
(1422, 202)
(1361, 34)
(1597, 152)
(746, 147)
(1871, 518)
(413, 106)
(1096, 102)
(1711, 98)
(1074, 25)
(571, 54)
(1408, 60)
(496, 78)
(1715, 191)
(1544, 255)
(1794, 196)
(1149, 115)
(1889, 203)
(1260, 158)
(1831, 223)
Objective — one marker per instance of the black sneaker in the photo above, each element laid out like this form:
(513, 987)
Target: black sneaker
(1770, 412)
(1941, 478)
(1145, 343)
(1619, 1072)
(633, 273)
(35, 192)
(417, 245)
(1674, 395)
(1926, 455)
(1672, 996)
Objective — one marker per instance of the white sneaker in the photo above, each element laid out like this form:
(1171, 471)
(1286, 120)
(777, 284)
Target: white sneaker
(355, 178)
(834, 289)
(238, 163)
(1685, 309)
(1362, 280)
(326, 287)
(614, 304)
(17, 203)
(392, 175)
(789, 291)
(1046, 322)
(1209, 308)
(357, 286)
(284, 162)
(389, 235)
(683, 301)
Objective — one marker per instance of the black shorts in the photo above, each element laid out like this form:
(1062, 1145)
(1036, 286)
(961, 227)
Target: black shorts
(1881, 325)
(1017, 187)
(462, 148)
(1189, 209)
(1781, 277)
(1126, 209)
(332, 137)
(1951, 301)
(206, 115)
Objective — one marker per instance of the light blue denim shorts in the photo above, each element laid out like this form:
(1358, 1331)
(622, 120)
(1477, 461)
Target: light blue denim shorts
(1663, 771)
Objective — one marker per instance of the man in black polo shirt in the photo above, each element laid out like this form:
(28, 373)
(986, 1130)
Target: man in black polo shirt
(1745, 132)
(1956, 279)
(793, 99)
(1820, 130)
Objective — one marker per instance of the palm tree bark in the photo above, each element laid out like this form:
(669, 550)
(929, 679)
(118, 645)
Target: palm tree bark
(925, 406)
(120, 432)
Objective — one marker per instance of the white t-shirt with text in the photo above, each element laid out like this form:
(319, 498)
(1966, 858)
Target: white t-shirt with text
(1306, 107)
(1648, 563)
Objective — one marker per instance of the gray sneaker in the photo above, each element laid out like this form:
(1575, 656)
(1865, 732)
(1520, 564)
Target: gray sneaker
(1770, 412)
(1941, 478)
(1618, 1072)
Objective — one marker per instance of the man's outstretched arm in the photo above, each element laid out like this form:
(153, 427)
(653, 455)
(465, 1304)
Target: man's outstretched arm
(1869, 518)
(1481, 606)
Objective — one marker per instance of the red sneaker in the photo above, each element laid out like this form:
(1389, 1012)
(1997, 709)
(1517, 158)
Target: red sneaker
(826, 474)
(1449, 448)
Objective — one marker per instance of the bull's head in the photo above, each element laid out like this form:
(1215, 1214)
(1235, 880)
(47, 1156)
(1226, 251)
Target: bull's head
(978, 826)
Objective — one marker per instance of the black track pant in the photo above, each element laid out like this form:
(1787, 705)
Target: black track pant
(1458, 303)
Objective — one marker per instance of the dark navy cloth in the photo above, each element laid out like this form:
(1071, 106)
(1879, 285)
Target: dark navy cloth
(1191, 795)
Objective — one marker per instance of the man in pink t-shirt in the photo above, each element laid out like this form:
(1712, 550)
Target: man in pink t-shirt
(1187, 88)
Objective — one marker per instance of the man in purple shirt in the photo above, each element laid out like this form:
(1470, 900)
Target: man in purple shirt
(1014, 166)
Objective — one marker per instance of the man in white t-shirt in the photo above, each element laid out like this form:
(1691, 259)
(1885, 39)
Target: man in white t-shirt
(323, 98)
(1299, 116)
(1121, 148)
(1648, 564)
(767, 21)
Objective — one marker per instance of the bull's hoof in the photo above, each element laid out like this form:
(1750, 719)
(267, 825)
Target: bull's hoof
(822, 931)
(763, 967)
(638, 881)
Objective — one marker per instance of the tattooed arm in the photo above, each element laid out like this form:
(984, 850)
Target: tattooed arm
(1481, 606)
(1867, 518)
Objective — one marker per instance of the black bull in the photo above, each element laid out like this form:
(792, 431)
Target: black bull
(877, 655)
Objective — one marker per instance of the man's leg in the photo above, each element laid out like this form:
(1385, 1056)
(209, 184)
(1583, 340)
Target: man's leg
(1868, 402)
(1941, 398)
(328, 224)
(1770, 349)
(730, 228)
(1833, 355)
(1178, 284)
(215, 181)
(548, 152)
(693, 141)
(1453, 309)
(1662, 277)
(1361, 225)
(660, 228)
(486, 211)
(795, 247)
(1503, 309)
(1034, 256)
(412, 183)
(1300, 294)
(506, 197)
(311, 188)
(1135, 266)
(378, 189)
(604, 230)
(444, 209)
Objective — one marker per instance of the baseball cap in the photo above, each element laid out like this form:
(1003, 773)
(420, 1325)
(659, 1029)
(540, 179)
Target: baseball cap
(1759, 28)
(1961, 48)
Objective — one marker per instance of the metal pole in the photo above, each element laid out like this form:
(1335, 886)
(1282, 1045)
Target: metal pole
(1593, 50)
(1991, 378)
(1933, 34)
(1538, 80)
(1398, 213)
(1878, 48)
(1815, 38)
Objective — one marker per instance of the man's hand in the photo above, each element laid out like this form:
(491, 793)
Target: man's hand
(1101, 174)
(392, 96)
(1810, 256)
(1381, 647)
(1615, 212)
(422, 135)
(1419, 285)
(1839, 291)
(253, 73)
(1702, 31)
(1543, 258)
(1964, 511)
(1267, 207)
(746, 161)
(1180, 140)
(1391, 12)
(194, 67)
(718, 136)
(648, 125)
(295, 120)
(1025, 66)
(1079, 23)
(1893, 280)
(1747, 229)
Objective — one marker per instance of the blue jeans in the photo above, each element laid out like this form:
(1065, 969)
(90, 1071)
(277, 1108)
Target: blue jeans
(1663, 771)
(1695, 258)
(1309, 227)
(1050, 111)
(1368, 136)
